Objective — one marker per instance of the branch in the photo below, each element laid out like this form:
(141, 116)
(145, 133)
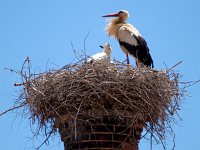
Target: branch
(11, 70)
(45, 139)
(192, 83)
(20, 84)
(173, 66)
(13, 108)
(85, 46)
(85, 40)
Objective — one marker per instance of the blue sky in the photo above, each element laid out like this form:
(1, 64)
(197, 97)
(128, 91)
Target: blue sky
(44, 30)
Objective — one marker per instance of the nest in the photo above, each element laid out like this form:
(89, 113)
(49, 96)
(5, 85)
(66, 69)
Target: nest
(90, 91)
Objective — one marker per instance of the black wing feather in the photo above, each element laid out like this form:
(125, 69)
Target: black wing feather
(143, 52)
(140, 51)
(130, 48)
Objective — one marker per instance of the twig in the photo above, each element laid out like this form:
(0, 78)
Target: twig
(13, 108)
(11, 70)
(22, 73)
(49, 135)
(75, 53)
(85, 41)
(85, 46)
(20, 84)
(173, 67)
(75, 120)
(194, 82)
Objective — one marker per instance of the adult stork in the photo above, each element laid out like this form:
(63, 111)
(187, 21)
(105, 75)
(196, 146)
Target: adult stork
(130, 40)
(104, 56)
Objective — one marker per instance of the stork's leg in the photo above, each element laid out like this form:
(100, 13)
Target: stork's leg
(137, 62)
(127, 58)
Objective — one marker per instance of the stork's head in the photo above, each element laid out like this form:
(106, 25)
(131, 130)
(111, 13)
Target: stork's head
(107, 49)
(122, 14)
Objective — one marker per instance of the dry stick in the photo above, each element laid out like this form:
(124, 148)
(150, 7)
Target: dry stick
(135, 106)
(13, 108)
(23, 76)
(188, 82)
(11, 70)
(76, 119)
(20, 84)
(78, 57)
(33, 87)
(74, 50)
(173, 67)
(131, 132)
(152, 136)
(54, 109)
(29, 69)
(194, 82)
(85, 45)
(85, 40)
(45, 139)
(174, 144)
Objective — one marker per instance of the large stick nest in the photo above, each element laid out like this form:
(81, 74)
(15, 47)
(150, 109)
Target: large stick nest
(103, 89)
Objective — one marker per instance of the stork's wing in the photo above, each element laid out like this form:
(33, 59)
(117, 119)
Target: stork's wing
(132, 42)
(142, 52)
(127, 33)
(98, 57)
(127, 36)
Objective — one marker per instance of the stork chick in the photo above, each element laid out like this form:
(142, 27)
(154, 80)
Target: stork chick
(104, 56)
(130, 40)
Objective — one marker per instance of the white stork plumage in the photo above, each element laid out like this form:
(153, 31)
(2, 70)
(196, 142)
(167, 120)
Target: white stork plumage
(104, 56)
(130, 40)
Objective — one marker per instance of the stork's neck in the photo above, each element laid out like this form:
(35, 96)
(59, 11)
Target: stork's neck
(113, 27)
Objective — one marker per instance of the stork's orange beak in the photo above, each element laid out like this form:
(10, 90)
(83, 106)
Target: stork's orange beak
(111, 15)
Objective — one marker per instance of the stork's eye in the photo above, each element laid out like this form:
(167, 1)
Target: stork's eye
(120, 12)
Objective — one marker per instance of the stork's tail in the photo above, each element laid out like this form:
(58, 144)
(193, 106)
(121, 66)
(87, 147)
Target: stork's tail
(143, 55)
(148, 61)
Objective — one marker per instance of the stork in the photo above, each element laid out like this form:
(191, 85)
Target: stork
(104, 56)
(130, 40)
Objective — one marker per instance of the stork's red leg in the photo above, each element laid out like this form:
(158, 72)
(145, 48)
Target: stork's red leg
(127, 58)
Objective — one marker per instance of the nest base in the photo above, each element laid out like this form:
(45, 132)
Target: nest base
(107, 133)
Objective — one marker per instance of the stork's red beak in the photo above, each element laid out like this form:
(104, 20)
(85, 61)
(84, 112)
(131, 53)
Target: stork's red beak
(111, 15)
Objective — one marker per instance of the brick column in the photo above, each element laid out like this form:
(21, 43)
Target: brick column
(106, 133)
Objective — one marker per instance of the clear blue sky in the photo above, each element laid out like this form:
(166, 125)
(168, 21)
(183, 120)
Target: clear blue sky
(44, 29)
